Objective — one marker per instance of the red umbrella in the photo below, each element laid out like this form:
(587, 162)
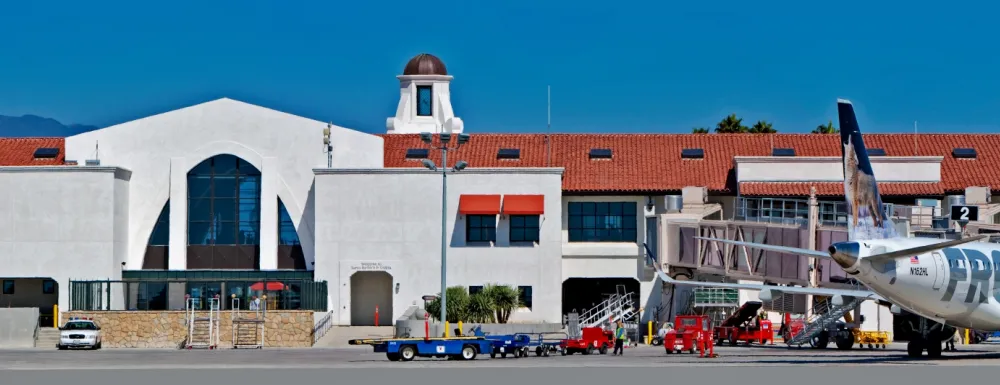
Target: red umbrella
(271, 286)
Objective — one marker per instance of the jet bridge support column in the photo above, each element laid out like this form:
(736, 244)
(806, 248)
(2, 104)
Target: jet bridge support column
(814, 262)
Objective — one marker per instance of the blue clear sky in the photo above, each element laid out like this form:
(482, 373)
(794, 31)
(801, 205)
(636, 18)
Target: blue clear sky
(613, 66)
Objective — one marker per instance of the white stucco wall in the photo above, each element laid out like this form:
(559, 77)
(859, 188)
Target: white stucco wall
(392, 217)
(831, 169)
(161, 149)
(64, 223)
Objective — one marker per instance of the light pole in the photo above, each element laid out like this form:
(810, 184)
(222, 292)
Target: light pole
(444, 140)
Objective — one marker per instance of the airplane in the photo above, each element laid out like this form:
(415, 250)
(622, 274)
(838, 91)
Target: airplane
(948, 284)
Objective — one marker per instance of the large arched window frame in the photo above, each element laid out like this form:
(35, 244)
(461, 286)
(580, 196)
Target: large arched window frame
(224, 214)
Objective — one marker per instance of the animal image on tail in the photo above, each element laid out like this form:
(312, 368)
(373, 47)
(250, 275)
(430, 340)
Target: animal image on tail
(868, 218)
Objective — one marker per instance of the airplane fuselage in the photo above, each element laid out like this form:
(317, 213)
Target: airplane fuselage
(957, 286)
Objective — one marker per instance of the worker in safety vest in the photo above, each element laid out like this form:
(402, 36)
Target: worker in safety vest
(619, 339)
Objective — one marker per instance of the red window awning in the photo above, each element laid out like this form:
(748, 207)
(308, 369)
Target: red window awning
(479, 204)
(524, 204)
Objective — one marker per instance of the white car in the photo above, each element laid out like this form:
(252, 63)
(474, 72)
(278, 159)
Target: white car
(79, 333)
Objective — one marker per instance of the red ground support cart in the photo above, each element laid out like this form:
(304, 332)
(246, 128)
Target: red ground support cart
(690, 329)
(591, 339)
(743, 326)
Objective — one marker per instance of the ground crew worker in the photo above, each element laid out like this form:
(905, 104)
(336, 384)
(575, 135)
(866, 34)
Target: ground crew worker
(949, 344)
(619, 339)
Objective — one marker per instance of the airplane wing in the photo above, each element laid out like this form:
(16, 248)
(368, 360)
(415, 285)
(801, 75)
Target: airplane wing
(782, 289)
(780, 249)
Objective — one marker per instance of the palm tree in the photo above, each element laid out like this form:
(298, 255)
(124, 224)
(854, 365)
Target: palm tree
(762, 127)
(699, 130)
(505, 300)
(827, 128)
(458, 304)
(730, 125)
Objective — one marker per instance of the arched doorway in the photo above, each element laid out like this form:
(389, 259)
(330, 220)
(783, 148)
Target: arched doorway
(368, 290)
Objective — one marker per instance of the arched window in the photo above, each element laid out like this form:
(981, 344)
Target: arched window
(224, 214)
(156, 257)
(290, 256)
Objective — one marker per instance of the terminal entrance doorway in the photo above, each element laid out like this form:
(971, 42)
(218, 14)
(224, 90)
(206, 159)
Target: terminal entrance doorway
(368, 290)
(581, 294)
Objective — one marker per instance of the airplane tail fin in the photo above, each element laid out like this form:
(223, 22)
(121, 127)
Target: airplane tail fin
(867, 218)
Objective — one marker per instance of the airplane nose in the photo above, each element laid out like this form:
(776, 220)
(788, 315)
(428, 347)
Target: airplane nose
(845, 253)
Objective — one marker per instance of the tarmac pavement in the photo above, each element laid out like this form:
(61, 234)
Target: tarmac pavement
(360, 365)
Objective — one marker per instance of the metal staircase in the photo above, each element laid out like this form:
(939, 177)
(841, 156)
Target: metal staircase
(248, 326)
(825, 315)
(203, 325)
(618, 306)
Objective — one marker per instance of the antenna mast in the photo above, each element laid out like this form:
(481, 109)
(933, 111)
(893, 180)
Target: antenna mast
(915, 153)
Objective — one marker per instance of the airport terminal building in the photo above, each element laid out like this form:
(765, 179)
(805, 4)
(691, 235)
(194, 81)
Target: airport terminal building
(213, 198)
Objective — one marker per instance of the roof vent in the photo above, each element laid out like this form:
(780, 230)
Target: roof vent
(692, 153)
(876, 152)
(46, 153)
(966, 153)
(417, 153)
(600, 153)
(93, 162)
(509, 153)
(783, 152)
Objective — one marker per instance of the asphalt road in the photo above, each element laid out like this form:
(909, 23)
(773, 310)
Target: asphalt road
(359, 365)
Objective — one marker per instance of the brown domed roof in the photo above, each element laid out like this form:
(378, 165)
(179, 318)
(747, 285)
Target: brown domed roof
(425, 64)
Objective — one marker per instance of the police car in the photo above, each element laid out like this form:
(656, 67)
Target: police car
(79, 333)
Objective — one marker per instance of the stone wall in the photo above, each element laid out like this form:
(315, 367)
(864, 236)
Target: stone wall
(168, 329)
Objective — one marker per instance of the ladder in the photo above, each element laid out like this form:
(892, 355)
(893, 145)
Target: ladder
(825, 315)
(203, 329)
(248, 327)
(618, 306)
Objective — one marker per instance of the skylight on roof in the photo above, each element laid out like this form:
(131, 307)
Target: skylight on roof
(692, 153)
(46, 153)
(600, 153)
(965, 153)
(509, 153)
(417, 153)
(783, 152)
(876, 152)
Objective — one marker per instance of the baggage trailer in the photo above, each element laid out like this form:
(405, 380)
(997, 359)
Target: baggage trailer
(548, 343)
(591, 339)
(516, 344)
(743, 326)
(406, 349)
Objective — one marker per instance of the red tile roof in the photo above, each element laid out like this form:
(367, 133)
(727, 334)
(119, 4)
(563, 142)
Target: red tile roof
(21, 151)
(651, 163)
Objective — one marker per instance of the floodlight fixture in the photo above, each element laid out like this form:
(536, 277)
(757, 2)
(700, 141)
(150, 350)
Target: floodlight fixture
(463, 139)
(429, 164)
(461, 165)
(445, 137)
(426, 137)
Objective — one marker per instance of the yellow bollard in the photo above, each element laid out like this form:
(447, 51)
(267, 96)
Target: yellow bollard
(460, 330)
(55, 316)
(446, 329)
(649, 335)
(967, 337)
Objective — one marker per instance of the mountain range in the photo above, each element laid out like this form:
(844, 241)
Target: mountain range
(37, 126)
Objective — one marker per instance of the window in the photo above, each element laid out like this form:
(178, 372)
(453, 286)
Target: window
(48, 286)
(524, 228)
(161, 229)
(602, 222)
(475, 289)
(8, 286)
(286, 228)
(480, 228)
(224, 202)
(525, 298)
(424, 100)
